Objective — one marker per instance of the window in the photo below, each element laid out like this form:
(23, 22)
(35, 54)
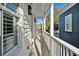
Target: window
(68, 23)
(8, 33)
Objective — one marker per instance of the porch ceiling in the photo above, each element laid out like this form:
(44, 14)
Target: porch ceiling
(39, 9)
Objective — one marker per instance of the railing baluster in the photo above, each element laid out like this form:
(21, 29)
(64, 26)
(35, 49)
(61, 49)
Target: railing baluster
(67, 52)
(65, 49)
(71, 53)
(61, 50)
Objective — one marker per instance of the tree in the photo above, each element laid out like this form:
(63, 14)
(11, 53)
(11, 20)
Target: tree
(56, 18)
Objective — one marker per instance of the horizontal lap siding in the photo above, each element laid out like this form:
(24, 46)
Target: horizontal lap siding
(70, 37)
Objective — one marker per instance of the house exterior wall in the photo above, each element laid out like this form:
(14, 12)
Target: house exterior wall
(70, 37)
(22, 23)
(33, 29)
(27, 20)
(7, 29)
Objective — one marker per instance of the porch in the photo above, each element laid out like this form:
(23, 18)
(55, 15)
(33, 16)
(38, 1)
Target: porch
(30, 41)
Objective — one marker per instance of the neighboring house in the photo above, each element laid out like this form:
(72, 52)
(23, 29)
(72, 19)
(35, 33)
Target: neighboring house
(39, 26)
(69, 24)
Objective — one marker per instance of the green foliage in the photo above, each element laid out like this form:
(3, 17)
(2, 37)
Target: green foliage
(55, 27)
(48, 26)
(56, 18)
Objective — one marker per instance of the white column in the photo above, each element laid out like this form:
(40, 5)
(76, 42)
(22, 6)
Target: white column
(52, 30)
(44, 23)
(52, 21)
(33, 28)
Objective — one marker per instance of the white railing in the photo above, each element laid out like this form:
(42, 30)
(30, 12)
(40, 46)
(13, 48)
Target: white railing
(58, 47)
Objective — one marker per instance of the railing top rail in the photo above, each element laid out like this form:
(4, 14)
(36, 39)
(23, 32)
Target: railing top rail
(67, 45)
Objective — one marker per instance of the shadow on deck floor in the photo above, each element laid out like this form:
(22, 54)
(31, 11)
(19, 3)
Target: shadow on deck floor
(43, 47)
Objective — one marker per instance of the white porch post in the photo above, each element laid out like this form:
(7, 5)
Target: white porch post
(33, 28)
(44, 23)
(51, 30)
(52, 22)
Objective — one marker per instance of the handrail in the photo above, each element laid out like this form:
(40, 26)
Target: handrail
(67, 45)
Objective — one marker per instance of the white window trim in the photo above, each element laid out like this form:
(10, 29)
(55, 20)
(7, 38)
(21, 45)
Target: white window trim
(1, 17)
(68, 21)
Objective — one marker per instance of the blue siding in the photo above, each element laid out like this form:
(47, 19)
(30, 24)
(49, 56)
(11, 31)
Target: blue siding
(70, 37)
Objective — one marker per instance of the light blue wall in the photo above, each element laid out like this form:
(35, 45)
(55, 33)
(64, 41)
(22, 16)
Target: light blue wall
(11, 6)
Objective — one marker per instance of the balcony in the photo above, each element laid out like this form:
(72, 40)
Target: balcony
(47, 45)
(26, 38)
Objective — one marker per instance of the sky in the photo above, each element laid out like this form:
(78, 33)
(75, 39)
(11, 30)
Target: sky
(39, 21)
(59, 5)
(56, 5)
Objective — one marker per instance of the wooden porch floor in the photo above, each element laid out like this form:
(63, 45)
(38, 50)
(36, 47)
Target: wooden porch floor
(40, 47)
